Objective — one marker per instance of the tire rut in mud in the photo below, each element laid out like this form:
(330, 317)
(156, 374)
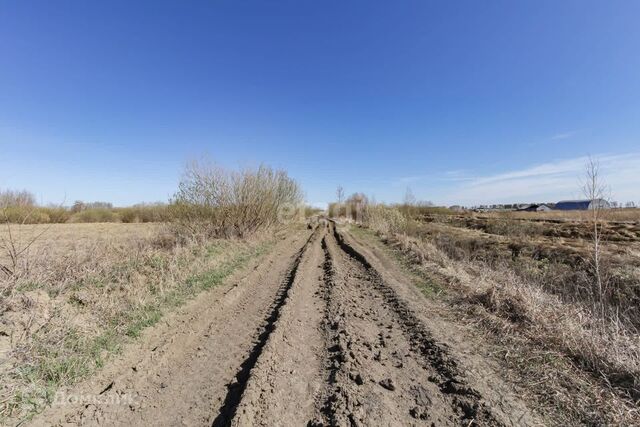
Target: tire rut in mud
(375, 345)
(236, 389)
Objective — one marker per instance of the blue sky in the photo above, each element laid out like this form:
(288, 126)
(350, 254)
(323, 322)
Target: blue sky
(463, 101)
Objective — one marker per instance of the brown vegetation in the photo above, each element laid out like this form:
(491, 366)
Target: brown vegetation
(532, 284)
(215, 202)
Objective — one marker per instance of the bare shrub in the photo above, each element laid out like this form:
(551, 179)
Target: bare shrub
(214, 202)
(14, 247)
(353, 208)
(14, 198)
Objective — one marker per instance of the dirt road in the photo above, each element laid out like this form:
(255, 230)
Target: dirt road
(324, 331)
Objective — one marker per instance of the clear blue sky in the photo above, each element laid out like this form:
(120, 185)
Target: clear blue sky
(463, 101)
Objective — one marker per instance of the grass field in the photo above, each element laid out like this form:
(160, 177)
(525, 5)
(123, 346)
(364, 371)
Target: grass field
(83, 290)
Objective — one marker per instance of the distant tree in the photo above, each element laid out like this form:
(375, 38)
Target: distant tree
(409, 198)
(340, 194)
(14, 198)
(78, 206)
(356, 204)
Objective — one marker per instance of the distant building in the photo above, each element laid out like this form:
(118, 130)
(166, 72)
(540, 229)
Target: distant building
(581, 205)
(535, 208)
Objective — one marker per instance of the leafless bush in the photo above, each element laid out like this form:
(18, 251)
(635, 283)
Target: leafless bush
(214, 202)
(14, 247)
(16, 198)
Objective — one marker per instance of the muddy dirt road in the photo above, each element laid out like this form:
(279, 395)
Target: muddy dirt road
(324, 331)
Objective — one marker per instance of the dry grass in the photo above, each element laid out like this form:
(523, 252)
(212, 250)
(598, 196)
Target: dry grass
(578, 371)
(529, 292)
(627, 214)
(82, 290)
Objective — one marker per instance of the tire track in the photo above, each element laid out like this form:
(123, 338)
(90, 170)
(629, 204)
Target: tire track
(376, 344)
(237, 388)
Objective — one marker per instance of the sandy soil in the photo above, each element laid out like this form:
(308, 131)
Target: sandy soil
(325, 331)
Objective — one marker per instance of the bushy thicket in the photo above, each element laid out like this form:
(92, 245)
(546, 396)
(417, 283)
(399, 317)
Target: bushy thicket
(19, 207)
(214, 202)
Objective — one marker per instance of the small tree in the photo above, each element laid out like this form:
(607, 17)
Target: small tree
(335, 209)
(596, 191)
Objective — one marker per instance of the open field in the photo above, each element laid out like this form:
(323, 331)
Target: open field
(614, 215)
(422, 317)
(82, 291)
(555, 253)
(320, 214)
(323, 325)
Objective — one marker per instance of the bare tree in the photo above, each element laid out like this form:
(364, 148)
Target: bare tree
(409, 203)
(340, 194)
(409, 198)
(596, 191)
